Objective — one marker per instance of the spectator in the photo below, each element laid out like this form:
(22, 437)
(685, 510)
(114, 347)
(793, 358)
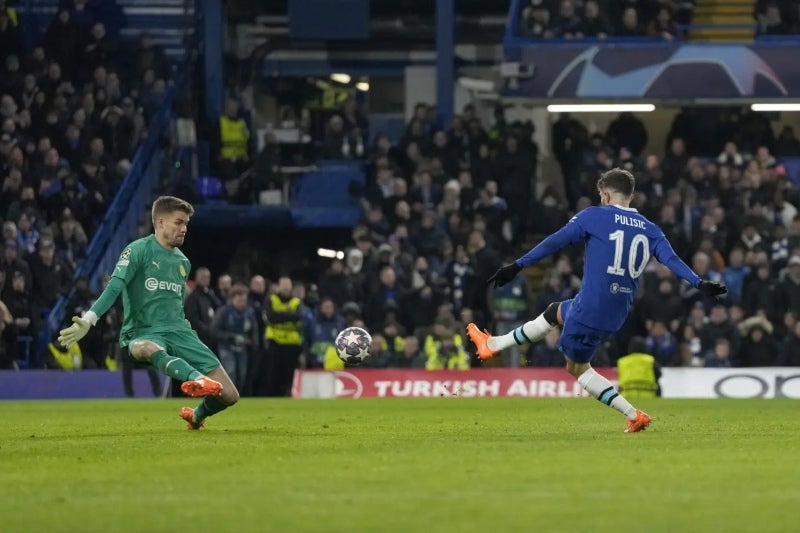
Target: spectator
(201, 306)
(567, 23)
(445, 351)
(629, 25)
(11, 263)
(720, 356)
(546, 353)
(663, 25)
(234, 136)
(148, 56)
(789, 354)
(758, 347)
(51, 275)
(627, 131)
(661, 344)
(735, 273)
(10, 37)
(235, 328)
(787, 144)
(62, 40)
(595, 23)
(410, 357)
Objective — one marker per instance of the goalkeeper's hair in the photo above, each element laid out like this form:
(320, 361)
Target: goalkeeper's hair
(617, 180)
(164, 205)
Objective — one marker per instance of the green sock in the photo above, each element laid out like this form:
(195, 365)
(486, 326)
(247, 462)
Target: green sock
(174, 367)
(208, 407)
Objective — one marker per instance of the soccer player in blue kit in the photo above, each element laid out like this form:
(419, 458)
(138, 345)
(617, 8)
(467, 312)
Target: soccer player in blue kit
(619, 243)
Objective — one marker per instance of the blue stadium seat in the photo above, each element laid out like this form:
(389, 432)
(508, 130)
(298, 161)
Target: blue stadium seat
(209, 187)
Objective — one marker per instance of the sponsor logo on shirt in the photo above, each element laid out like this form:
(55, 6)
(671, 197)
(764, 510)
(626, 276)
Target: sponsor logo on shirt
(617, 288)
(153, 284)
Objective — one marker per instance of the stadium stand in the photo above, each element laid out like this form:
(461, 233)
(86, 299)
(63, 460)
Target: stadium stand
(74, 109)
(441, 206)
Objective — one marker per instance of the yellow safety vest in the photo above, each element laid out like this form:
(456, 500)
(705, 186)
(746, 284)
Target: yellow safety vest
(332, 360)
(234, 135)
(459, 361)
(397, 346)
(72, 359)
(286, 333)
(637, 376)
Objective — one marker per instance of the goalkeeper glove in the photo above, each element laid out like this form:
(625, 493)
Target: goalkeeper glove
(504, 274)
(78, 330)
(712, 288)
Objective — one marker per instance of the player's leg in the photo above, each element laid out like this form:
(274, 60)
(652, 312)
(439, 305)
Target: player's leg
(153, 350)
(192, 349)
(532, 331)
(212, 405)
(578, 345)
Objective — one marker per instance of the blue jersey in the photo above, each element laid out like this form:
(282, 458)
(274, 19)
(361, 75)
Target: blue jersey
(619, 244)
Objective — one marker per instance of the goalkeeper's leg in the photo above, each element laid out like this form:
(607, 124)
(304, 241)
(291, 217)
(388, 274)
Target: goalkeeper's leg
(152, 352)
(212, 405)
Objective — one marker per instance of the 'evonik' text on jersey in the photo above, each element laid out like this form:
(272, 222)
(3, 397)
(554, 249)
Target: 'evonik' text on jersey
(155, 287)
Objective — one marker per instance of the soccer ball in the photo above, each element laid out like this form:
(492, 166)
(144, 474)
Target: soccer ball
(352, 345)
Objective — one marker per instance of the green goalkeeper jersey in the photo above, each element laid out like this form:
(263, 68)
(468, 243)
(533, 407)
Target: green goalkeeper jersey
(155, 287)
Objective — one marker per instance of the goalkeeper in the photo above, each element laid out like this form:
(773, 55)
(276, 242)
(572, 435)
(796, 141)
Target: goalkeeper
(151, 275)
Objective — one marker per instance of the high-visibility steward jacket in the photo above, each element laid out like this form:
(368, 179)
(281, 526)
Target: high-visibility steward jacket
(285, 333)
(234, 135)
(637, 376)
(72, 359)
(398, 343)
(332, 360)
(458, 361)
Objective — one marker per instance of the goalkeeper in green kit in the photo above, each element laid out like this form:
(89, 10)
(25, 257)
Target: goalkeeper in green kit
(151, 275)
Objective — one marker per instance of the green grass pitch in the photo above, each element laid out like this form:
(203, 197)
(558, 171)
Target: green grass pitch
(449, 464)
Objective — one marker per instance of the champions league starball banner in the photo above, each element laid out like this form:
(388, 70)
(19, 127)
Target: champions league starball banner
(655, 70)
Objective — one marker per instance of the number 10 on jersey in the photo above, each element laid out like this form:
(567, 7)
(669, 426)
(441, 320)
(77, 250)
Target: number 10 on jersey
(619, 248)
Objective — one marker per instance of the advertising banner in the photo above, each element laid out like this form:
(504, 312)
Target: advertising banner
(656, 70)
(401, 383)
(778, 382)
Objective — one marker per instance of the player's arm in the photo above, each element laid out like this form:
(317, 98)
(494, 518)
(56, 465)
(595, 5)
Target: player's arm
(667, 256)
(571, 233)
(124, 271)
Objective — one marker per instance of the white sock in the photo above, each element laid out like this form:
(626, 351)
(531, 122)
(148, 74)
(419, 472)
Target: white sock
(602, 389)
(531, 331)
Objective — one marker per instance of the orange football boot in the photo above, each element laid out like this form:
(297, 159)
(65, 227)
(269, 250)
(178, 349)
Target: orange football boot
(481, 340)
(639, 423)
(202, 386)
(187, 413)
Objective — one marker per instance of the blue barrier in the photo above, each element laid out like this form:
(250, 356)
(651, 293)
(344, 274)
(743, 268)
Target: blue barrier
(83, 384)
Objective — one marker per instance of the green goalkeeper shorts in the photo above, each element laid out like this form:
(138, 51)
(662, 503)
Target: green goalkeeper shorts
(183, 343)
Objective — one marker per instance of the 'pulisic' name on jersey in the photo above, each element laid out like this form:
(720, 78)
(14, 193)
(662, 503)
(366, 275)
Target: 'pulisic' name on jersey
(628, 221)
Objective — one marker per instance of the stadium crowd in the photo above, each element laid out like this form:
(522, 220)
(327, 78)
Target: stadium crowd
(72, 113)
(777, 17)
(444, 208)
(600, 19)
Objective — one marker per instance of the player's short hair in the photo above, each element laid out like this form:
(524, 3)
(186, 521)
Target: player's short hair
(618, 180)
(165, 205)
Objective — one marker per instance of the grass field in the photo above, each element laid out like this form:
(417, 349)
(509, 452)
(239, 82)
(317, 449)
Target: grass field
(400, 465)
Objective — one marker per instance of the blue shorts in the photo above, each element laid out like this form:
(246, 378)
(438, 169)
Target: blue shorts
(578, 342)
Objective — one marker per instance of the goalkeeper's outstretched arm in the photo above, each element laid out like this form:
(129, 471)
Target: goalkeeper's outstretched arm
(80, 325)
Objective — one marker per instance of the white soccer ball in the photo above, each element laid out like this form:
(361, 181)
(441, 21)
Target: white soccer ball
(352, 345)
